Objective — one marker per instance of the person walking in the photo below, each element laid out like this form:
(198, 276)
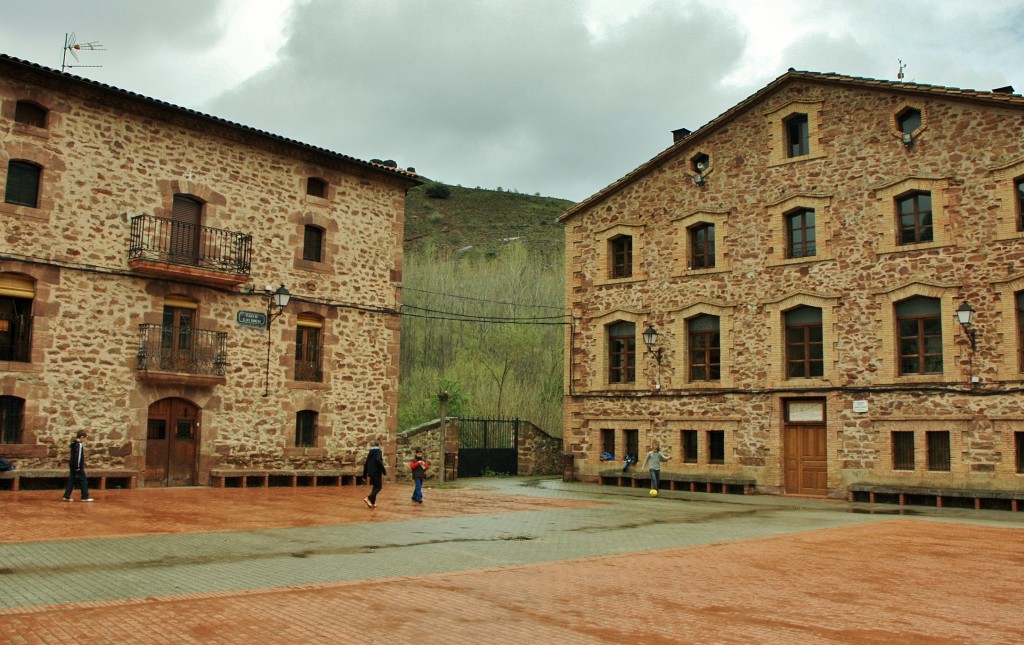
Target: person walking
(375, 470)
(419, 468)
(654, 458)
(77, 466)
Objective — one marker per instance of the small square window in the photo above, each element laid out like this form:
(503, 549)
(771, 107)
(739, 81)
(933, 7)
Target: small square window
(30, 114)
(316, 187)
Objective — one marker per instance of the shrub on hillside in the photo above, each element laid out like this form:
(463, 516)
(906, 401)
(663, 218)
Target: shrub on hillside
(438, 191)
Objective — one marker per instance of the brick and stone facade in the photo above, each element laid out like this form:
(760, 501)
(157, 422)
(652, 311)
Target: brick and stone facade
(835, 147)
(103, 158)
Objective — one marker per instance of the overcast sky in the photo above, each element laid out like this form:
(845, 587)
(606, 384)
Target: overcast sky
(560, 97)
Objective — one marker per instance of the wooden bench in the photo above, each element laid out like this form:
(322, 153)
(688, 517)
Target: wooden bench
(680, 481)
(264, 478)
(904, 495)
(56, 478)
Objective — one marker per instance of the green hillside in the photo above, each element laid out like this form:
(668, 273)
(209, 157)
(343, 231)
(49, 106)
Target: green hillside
(483, 219)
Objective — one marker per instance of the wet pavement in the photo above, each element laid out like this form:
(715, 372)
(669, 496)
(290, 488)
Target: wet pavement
(501, 561)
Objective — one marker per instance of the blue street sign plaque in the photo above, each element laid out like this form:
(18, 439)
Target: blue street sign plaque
(253, 319)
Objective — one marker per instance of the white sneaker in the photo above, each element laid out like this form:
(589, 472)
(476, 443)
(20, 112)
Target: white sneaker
(88, 500)
(67, 499)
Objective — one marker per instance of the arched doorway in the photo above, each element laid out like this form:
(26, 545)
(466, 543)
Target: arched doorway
(171, 438)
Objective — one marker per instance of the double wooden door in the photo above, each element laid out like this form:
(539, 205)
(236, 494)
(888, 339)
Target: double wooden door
(171, 439)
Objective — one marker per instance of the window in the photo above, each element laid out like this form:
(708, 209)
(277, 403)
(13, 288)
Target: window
(797, 136)
(909, 120)
(11, 416)
(938, 450)
(305, 429)
(804, 343)
(30, 114)
(689, 438)
(705, 347)
(23, 183)
(919, 335)
(716, 446)
(700, 162)
(15, 319)
(308, 349)
(1019, 186)
(608, 441)
(702, 246)
(316, 187)
(313, 243)
(915, 217)
(176, 334)
(620, 253)
(632, 442)
(1019, 300)
(622, 352)
(1018, 450)
(800, 237)
(902, 450)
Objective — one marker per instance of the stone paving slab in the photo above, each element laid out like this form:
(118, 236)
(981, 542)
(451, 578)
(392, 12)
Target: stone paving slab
(543, 562)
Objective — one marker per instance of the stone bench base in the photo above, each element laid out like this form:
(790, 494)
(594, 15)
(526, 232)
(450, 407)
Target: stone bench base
(903, 495)
(254, 478)
(56, 479)
(677, 481)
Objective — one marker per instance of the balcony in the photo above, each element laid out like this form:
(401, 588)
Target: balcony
(310, 371)
(171, 249)
(181, 356)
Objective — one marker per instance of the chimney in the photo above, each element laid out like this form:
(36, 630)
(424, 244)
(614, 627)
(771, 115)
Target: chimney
(680, 134)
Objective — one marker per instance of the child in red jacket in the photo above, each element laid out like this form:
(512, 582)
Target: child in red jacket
(419, 471)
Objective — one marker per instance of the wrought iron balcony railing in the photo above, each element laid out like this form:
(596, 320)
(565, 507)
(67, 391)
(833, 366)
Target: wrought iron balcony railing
(165, 348)
(309, 371)
(182, 243)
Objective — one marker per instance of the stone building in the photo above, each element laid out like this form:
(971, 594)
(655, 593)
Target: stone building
(141, 244)
(798, 265)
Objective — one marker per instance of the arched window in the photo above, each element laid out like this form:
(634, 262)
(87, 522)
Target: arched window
(621, 352)
(804, 343)
(919, 335)
(705, 348)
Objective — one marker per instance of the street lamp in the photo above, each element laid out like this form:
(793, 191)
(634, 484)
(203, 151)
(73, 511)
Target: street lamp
(650, 338)
(965, 314)
(276, 300)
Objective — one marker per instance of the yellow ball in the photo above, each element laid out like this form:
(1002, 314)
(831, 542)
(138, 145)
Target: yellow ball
(654, 492)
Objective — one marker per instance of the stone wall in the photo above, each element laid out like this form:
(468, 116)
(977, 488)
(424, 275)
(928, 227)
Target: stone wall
(108, 156)
(967, 154)
(539, 452)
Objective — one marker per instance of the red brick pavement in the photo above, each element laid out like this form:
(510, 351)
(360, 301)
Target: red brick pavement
(898, 581)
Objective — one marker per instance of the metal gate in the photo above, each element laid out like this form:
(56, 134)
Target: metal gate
(488, 445)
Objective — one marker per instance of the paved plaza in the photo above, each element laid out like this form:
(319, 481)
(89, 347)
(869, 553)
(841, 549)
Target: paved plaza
(501, 561)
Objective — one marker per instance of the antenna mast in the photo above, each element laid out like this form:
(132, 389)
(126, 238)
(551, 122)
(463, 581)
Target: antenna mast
(903, 66)
(70, 45)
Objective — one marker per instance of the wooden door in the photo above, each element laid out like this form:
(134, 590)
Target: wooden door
(805, 448)
(171, 440)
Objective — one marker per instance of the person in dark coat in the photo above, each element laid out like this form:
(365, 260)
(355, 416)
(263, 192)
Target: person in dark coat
(77, 466)
(375, 470)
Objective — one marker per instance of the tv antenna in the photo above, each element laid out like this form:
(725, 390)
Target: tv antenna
(903, 66)
(72, 45)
